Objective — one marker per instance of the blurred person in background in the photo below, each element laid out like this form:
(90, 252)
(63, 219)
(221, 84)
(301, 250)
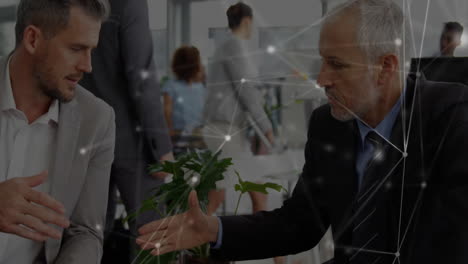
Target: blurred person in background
(450, 39)
(232, 101)
(124, 76)
(184, 99)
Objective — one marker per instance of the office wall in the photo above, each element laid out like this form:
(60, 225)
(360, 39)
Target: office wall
(267, 13)
(157, 14)
(208, 14)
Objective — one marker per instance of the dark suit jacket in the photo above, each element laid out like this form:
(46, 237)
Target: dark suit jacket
(434, 220)
(124, 76)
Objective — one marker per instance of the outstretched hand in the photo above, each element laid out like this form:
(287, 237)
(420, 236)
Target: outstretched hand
(27, 213)
(183, 231)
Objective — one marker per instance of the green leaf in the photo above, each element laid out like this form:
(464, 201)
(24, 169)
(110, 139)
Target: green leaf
(174, 195)
(246, 186)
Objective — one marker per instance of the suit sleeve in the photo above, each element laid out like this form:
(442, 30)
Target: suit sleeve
(239, 67)
(82, 242)
(143, 83)
(295, 227)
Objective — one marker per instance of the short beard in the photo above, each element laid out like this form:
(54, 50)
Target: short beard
(342, 116)
(47, 84)
(54, 93)
(49, 88)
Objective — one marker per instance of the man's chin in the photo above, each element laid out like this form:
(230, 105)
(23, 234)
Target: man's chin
(63, 97)
(341, 115)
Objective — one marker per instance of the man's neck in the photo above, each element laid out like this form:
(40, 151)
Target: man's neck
(384, 106)
(447, 54)
(26, 92)
(240, 33)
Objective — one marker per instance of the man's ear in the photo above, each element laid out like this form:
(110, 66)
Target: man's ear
(389, 65)
(32, 37)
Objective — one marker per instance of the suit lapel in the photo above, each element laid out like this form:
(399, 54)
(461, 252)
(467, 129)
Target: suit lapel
(66, 149)
(61, 171)
(344, 177)
(404, 171)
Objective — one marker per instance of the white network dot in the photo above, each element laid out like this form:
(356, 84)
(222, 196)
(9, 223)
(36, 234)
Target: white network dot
(329, 147)
(398, 42)
(138, 129)
(407, 64)
(271, 49)
(379, 155)
(227, 138)
(180, 100)
(144, 74)
(157, 245)
(99, 227)
(243, 80)
(423, 185)
(388, 185)
(83, 151)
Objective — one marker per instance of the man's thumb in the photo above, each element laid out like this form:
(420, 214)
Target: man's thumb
(38, 179)
(193, 200)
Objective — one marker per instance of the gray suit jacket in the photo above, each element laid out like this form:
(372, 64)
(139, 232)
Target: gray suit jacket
(80, 176)
(124, 76)
(228, 99)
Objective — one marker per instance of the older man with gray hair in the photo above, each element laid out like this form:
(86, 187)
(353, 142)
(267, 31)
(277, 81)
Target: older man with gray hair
(385, 161)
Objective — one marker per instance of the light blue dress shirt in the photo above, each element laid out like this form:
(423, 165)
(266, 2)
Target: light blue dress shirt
(365, 148)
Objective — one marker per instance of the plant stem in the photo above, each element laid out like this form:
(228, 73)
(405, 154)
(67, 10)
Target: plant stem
(238, 202)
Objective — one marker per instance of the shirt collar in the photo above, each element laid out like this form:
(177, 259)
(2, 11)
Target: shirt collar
(53, 113)
(7, 101)
(385, 127)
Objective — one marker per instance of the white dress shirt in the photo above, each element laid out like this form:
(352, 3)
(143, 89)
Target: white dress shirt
(26, 150)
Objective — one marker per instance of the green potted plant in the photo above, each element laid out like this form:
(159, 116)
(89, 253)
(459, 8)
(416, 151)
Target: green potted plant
(199, 170)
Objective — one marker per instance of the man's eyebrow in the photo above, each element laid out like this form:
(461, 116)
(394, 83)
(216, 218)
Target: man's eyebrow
(82, 46)
(333, 58)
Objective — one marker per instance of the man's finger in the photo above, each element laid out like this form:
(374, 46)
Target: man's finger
(45, 200)
(153, 244)
(193, 200)
(36, 180)
(163, 249)
(160, 175)
(39, 226)
(155, 226)
(23, 232)
(47, 215)
(151, 237)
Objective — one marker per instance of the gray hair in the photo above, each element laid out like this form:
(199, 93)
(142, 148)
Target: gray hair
(51, 16)
(382, 28)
